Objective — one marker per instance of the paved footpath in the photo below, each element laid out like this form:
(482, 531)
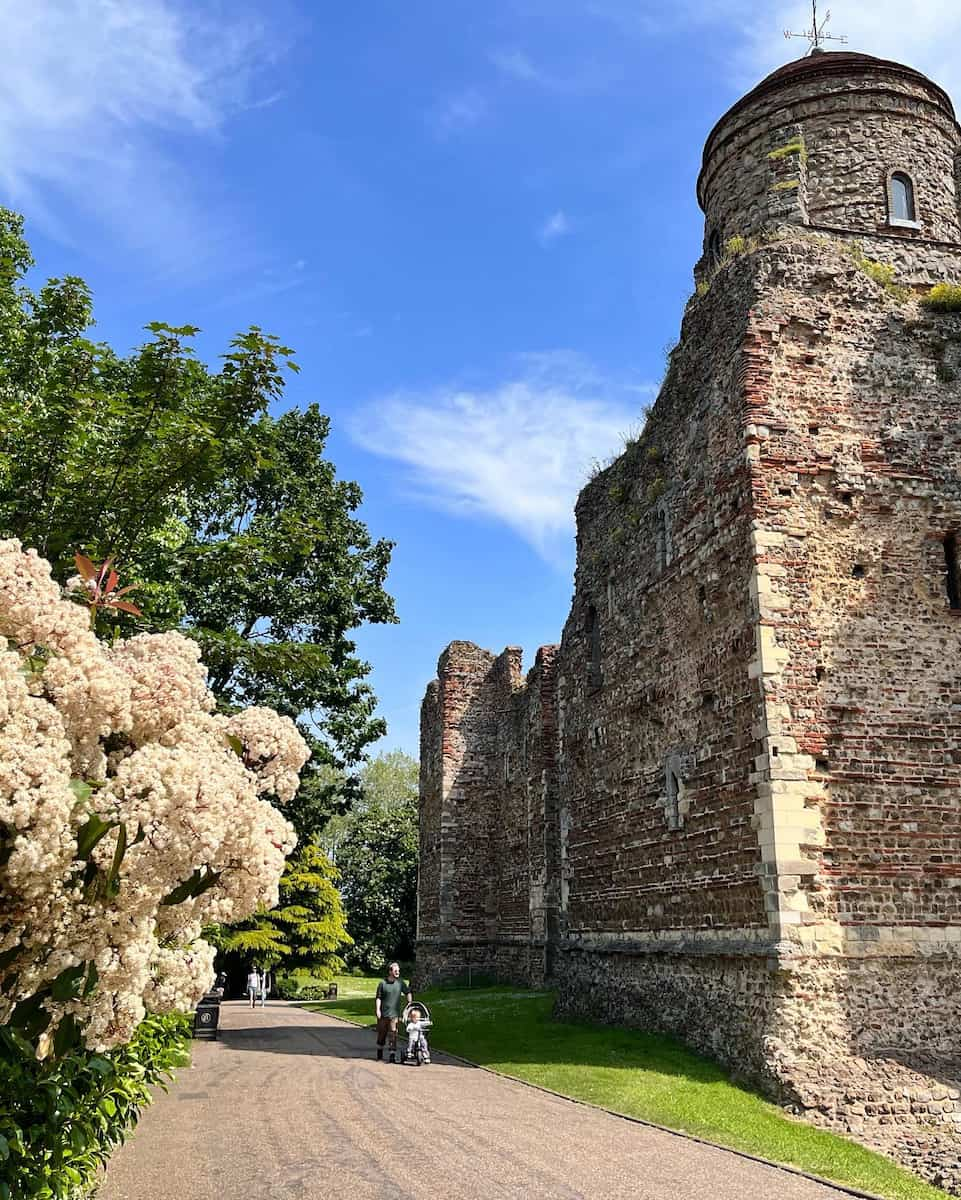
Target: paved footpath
(290, 1105)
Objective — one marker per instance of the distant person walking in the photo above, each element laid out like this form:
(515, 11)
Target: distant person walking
(253, 985)
(393, 995)
(264, 986)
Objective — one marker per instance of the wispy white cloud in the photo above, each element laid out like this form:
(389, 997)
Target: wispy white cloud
(94, 94)
(578, 78)
(515, 452)
(518, 65)
(456, 114)
(269, 282)
(553, 227)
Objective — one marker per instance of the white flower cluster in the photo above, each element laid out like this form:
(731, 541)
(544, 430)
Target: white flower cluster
(130, 814)
(273, 750)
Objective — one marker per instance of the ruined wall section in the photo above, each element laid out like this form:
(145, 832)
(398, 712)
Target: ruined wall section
(508, 882)
(487, 800)
(455, 722)
(540, 767)
(430, 815)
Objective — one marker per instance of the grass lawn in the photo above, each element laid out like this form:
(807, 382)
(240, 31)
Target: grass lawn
(348, 987)
(651, 1076)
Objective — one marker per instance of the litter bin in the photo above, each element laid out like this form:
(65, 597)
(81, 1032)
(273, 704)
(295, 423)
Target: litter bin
(207, 1017)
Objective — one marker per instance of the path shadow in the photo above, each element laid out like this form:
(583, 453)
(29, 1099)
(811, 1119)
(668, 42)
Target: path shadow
(324, 1041)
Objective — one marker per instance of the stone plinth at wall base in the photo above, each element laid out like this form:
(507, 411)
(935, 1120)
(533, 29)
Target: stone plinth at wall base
(864, 1006)
(877, 1054)
(722, 1005)
(477, 962)
(907, 1107)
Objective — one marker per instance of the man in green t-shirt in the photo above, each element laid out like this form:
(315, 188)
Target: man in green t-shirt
(392, 996)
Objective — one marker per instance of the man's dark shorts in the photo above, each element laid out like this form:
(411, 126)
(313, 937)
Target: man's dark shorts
(385, 1026)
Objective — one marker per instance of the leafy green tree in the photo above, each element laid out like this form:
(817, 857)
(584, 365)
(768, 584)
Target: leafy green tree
(376, 849)
(307, 927)
(233, 522)
(388, 780)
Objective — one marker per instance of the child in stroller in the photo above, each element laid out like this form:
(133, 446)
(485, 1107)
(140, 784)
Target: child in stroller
(418, 1021)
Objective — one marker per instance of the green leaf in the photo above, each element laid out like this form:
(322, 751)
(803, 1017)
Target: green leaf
(66, 986)
(236, 744)
(199, 882)
(67, 1036)
(93, 978)
(91, 832)
(17, 1042)
(81, 789)
(119, 851)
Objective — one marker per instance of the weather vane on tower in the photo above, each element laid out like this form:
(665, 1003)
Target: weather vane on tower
(816, 35)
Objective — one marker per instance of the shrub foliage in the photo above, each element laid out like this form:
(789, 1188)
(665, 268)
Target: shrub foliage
(60, 1121)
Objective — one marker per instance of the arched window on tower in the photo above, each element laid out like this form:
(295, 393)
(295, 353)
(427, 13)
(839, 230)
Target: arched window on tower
(902, 209)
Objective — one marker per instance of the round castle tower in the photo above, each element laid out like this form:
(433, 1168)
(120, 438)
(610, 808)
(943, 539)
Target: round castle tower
(840, 142)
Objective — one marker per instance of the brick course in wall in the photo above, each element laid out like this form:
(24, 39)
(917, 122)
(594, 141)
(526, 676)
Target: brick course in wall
(728, 804)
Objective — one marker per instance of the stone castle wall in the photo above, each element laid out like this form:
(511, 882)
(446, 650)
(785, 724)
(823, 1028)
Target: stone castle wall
(728, 804)
(730, 807)
(488, 817)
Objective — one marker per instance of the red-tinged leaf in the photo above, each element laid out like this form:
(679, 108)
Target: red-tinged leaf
(124, 606)
(87, 569)
(112, 580)
(124, 590)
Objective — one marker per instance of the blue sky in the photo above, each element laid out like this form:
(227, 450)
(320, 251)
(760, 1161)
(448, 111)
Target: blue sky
(475, 222)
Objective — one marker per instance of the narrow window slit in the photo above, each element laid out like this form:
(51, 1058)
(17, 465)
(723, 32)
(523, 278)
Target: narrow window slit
(674, 793)
(953, 569)
(595, 676)
(661, 537)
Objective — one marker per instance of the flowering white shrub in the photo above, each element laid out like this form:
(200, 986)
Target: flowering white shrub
(130, 815)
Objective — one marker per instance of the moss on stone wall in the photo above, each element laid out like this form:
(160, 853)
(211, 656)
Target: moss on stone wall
(796, 147)
(944, 297)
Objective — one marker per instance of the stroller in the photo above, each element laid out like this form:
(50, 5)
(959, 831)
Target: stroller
(418, 1049)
